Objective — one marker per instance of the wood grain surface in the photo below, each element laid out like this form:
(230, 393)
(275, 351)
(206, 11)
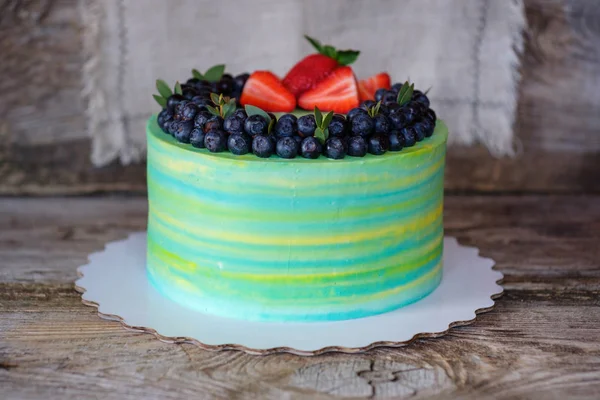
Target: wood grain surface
(44, 148)
(541, 341)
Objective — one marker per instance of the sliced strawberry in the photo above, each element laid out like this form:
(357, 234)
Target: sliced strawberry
(314, 68)
(338, 93)
(264, 90)
(368, 87)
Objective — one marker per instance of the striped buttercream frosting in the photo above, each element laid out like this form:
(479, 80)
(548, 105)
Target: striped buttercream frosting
(294, 240)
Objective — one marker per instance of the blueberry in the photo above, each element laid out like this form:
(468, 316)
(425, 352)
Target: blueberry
(378, 144)
(422, 99)
(298, 139)
(418, 108)
(201, 118)
(197, 138)
(172, 126)
(179, 108)
(389, 96)
(192, 82)
(214, 122)
(368, 104)
(419, 129)
(262, 146)
(338, 126)
(396, 87)
(173, 101)
(240, 113)
(311, 147)
(286, 125)
(357, 146)
(201, 102)
(240, 81)
(307, 125)
(429, 127)
(181, 131)
(334, 148)
(397, 120)
(430, 115)
(396, 141)
(233, 124)
(392, 107)
(239, 143)
(225, 85)
(409, 136)
(287, 147)
(273, 116)
(379, 94)
(384, 109)
(215, 141)
(164, 116)
(382, 124)
(362, 125)
(354, 112)
(187, 111)
(256, 125)
(189, 93)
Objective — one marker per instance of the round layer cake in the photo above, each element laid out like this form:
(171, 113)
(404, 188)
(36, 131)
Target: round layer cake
(294, 240)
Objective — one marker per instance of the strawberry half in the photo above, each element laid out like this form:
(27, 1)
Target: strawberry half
(264, 90)
(338, 93)
(368, 87)
(314, 68)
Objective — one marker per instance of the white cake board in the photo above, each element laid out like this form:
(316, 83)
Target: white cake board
(115, 281)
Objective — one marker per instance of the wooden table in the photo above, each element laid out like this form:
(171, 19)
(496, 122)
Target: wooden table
(541, 341)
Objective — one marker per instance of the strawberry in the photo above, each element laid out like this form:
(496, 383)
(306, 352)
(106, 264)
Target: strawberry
(338, 93)
(264, 90)
(367, 87)
(314, 68)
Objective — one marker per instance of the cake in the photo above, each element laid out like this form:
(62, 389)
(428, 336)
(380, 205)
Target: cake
(300, 216)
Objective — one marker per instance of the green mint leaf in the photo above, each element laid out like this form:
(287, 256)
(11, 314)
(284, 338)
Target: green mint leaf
(196, 74)
(177, 89)
(214, 73)
(160, 100)
(228, 109)
(271, 125)
(253, 110)
(163, 88)
(213, 111)
(232, 101)
(316, 44)
(377, 107)
(214, 98)
(347, 57)
(318, 117)
(320, 135)
(405, 93)
(327, 121)
(326, 133)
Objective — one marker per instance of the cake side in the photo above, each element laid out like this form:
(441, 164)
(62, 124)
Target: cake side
(294, 240)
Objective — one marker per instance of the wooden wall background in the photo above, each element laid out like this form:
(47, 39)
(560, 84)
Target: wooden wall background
(44, 149)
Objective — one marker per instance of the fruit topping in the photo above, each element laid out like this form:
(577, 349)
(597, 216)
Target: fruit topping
(312, 69)
(368, 87)
(337, 93)
(264, 90)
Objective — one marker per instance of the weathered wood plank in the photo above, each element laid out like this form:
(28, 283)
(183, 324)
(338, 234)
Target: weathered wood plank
(542, 340)
(43, 150)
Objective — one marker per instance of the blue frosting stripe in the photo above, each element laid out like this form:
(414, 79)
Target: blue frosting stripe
(294, 240)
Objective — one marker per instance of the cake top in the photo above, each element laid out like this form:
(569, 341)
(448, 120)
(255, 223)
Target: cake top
(322, 110)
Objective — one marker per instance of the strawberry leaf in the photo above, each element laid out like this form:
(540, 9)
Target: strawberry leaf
(214, 98)
(160, 100)
(253, 110)
(163, 88)
(330, 51)
(405, 93)
(177, 89)
(347, 57)
(196, 74)
(318, 117)
(316, 44)
(327, 121)
(214, 73)
(213, 110)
